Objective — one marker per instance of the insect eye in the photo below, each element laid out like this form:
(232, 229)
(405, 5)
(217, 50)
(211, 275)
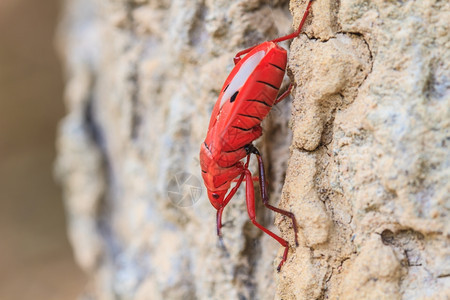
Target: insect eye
(215, 196)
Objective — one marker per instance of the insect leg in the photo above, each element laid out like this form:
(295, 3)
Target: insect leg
(264, 194)
(237, 58)
(284, 95)
(225, 202)
(254, 178)
(297, 32)
(250, 199)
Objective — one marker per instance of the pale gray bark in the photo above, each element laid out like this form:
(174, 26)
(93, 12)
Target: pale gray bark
(367, 166)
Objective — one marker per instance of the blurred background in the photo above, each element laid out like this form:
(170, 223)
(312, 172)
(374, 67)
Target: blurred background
(36, 260)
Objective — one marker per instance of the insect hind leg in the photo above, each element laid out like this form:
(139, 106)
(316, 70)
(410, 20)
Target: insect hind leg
(264, 194)
(250, 200)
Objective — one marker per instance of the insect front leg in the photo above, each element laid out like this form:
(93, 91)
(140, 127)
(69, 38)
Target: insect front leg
(295, 34)
(250, 200)
(225, 202)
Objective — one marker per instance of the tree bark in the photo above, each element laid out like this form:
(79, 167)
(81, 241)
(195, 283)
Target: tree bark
(359, 153)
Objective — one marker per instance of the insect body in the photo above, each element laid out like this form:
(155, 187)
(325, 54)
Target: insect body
(246, 98)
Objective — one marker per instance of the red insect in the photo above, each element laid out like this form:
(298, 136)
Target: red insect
(246, 98)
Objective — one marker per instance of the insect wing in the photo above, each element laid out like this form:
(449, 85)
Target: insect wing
(233, 84)
(240, 117)
(228, 98)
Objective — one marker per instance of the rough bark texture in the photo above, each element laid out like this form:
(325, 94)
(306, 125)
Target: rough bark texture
(365, 170)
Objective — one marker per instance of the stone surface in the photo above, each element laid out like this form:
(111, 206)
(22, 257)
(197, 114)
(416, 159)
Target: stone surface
(365, 170)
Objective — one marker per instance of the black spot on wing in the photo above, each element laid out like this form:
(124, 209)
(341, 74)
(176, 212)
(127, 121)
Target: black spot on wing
(234, 97)
(268, 84)
(204, 171)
